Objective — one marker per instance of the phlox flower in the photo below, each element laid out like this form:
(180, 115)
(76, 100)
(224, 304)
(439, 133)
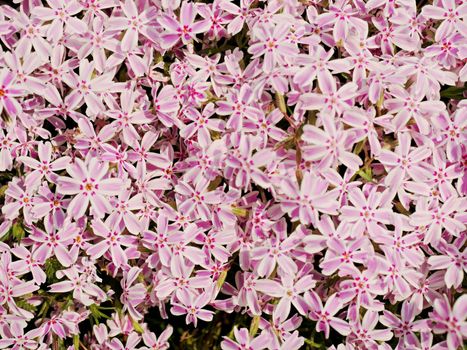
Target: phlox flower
(112, 241)
(244, 340)
(324, 315)
(450, 320)
(193, 307)
(185, 30)
(89, 187)
(8, 93)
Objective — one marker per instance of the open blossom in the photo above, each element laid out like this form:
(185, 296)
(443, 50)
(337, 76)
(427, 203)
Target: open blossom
(341, 15)
(450, 320)
(15, 336)
(290, 291)
(455, 263)
(306, 202)
(331, 99)
(8, 91)
(329, 145)
(409, 106)
(437, 217)
(87, 88)
(21, 200)
(89, 187)
(54, 241)
(241, 13)
(324, 315)
(112, 242)
(193, 307)
(62, 15)
(44, 166)
(365, 214)
(81, 283)
(159, 343)
(365, 333)
(244, 340)
(405, 162)
(134, 23)
(273, 45)
(451, 16)
(184, 30)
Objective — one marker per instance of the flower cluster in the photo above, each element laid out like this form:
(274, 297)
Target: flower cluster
(253, 174)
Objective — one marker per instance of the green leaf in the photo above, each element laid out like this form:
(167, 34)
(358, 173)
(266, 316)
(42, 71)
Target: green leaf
(97, 314)
(221, 280)
(454, 92)
(254, 325)
(17, 231)
(51, 267)
(136, 326)
(76, 341)
(240, 211)
(23, 304)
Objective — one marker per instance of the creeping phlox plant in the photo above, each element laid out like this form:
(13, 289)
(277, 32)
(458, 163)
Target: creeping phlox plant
(281, 174)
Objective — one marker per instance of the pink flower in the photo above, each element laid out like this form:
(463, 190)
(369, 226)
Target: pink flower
(362, 287)
(49, 205)
(330, 146)
(241, 13)
(276, 250)
(133, 294)
(96, 42)
(134, 23)
(453, 260)
(90, 89)
(8, 93)
(202, 124)
(305, 202)
(240, 106)
(405, 162)
(324, 315)
(44, 166)
(409, 106)
(450, 127)
(244, 166)
(365, 214)
(54, 241)
(436, 217)
(317, 64)
(61, 13)
(127, 116)
(366, 335)
(159, 343)
(331, 100)
(245, 341)
(450, 320)
(21, 199)
(28, 262)
(81, 284)
(14, 335)
(62, 325)
(12, 287)
(341, 15)
(273, 45)
(450, 13)
(340, 253)
(193, 307)
(179, 281)
(89, 187)
(111, 241)
(290, 291)
(7, 145)
(184, 30)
